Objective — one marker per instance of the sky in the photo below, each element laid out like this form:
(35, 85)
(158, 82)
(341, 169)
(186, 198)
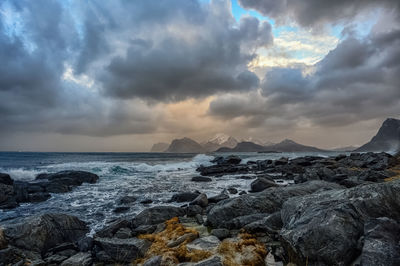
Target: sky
(122, 75)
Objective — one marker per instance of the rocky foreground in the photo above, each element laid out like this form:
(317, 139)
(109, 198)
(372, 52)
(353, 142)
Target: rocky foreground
(343, 210)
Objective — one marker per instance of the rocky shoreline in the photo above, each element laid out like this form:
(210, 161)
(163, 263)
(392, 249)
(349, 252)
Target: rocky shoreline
(341, 210)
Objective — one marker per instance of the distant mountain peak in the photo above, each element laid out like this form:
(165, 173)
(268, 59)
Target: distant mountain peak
(220, 138)
(288, 141)
(387, 139)
(185, 145)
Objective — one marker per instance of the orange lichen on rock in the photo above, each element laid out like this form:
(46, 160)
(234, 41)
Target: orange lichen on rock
(395, 170)
(179, 253)
(246, 251)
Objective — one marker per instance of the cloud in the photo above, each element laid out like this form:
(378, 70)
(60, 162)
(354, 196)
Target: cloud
(315, 13)
(183, 58)
(357, 81)
(104, 68)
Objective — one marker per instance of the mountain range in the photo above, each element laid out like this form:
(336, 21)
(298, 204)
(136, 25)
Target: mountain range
(387, 139)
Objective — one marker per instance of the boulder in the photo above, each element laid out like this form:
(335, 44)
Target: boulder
(73, 177)
(267, 201)
(221, 233)
(325, 227)
(127, 199)
(112, 228)
(218, 198)
(40, 233)
(184, 196)
(6, 179)
(201, 200)
(271, 224)
(232, 159)
(262, 183)
(79, 259)
(156, 215)
(123, 250)
(201, 179)
(7, 198)
(64, 181)
(232, 190)
(381, 242)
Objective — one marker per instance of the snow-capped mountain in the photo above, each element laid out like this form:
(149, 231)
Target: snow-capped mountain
(218, 141)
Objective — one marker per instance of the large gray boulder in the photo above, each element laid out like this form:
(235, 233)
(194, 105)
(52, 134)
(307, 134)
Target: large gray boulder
(381, 243)
(40, 233)
(156, 215)
(7, 197)
(262, 183)
(325, 228)
(123, 250)
(65, 180)
(265, 202)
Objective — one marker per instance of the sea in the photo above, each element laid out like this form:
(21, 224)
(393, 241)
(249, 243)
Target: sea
(147, 176)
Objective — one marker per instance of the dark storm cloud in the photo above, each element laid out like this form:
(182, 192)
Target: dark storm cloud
(311, 13)
(359, 80)
(192, 61)
(130, 50)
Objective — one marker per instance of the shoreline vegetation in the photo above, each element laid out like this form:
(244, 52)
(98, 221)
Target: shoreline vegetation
(341, 210)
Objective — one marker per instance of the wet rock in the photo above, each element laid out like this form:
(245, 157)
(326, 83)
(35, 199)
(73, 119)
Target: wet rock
(241, 221)
(7, 198)
(127, 199)
(218, 198)
(184, 196)
(325, 227)
(156, 215)
(201, 200)
(144, 229)
(193, 210)
(146, 201)
(6, 179)
(205, 243)
(262, 183)
(55, 259)
(70, 177)
(113, 227)
(232, 190)
(221, 233)
(232, 159)
(40, 233)
(15, 256)
(242, 192)
(201, 179)
(381, 242)
(281, 161)
(223, 169)
(267, 202)
(80, 259)
(123, 233)
(120, 209)
(85, 244)
(123, 250)
(270, 224)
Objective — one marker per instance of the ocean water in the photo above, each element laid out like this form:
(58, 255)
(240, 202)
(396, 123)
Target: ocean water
(155, 176)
